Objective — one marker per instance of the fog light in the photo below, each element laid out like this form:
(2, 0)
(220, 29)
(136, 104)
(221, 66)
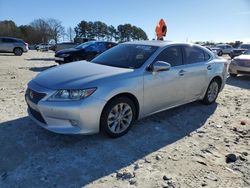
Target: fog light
(73, 123)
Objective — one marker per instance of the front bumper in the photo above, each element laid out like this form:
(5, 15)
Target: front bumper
(74, 117)
(59, 59)
(236, 69)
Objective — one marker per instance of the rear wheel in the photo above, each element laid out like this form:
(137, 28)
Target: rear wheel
(118, 116)
(220, 53)
(212, 92)
(18, 51)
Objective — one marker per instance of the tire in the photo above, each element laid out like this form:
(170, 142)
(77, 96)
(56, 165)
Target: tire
(18, 51)
(117, 117)
(220, 53)
(212, 92)
(233, 75)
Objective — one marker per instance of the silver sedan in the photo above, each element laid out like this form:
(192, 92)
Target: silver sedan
(125, 83)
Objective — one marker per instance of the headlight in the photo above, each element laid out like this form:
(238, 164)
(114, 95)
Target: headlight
(71, 94)
(65, 55)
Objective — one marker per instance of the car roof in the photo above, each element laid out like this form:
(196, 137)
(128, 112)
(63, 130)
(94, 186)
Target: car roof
(160, 43)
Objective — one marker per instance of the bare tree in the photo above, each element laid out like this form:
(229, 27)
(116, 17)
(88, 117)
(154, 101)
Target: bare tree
(42, 29)
(56, 30)
(70, 34)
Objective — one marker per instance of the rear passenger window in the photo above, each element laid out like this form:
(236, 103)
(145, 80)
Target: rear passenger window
(194, 55)
(172, 55)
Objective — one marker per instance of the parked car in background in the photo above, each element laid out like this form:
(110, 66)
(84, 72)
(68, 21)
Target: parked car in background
(32, 47)
(65, 45)
(127, 82)
(236, 52)
(13, 45)
(240, 65)
(245, 46)
(86, 51)
(226, 49)
(217, 51)
(43, 47)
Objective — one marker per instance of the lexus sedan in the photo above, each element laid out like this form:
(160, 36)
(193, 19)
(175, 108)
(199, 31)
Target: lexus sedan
(240, 65)
(127, 82)
(85, 51)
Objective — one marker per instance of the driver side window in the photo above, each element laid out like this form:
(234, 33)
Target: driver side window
(171, 55)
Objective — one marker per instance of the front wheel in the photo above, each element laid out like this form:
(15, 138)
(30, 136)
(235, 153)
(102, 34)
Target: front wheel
(220, 53)
(118, 116)
(212, 92)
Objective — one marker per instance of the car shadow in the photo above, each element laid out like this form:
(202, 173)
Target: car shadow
(40, 158)
(239, 81)
(41, 59)
(40, 69)
(10, 54)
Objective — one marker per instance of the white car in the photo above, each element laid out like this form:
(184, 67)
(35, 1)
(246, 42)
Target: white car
(43, 47)
(240, 65)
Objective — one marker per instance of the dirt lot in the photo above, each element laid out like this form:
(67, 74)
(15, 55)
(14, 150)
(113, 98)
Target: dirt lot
(182, 147)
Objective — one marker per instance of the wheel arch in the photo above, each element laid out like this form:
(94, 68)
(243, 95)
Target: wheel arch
(128, 95)
(17, 48)
(219, 79)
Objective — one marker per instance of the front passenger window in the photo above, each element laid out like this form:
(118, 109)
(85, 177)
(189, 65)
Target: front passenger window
(172, 55)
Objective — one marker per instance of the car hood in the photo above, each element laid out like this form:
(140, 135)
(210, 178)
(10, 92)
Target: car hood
(243, 57)
(66, 51)
(76, 75)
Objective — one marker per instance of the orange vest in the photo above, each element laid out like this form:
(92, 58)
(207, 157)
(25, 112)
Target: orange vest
(161, 30)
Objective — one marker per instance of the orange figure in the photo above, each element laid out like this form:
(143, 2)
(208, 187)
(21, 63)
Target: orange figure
(161, 30)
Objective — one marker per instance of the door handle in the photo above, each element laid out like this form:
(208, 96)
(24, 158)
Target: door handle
(209, 67)
(181, 72)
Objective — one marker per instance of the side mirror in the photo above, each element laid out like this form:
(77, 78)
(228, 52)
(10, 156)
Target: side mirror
(159, 66)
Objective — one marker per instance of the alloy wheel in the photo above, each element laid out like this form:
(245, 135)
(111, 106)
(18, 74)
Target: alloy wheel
(119, 118)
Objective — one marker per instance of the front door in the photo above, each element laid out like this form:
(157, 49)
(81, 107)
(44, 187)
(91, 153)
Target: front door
(164, 89)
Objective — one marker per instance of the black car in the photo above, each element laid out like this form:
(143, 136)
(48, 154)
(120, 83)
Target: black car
(85, 51)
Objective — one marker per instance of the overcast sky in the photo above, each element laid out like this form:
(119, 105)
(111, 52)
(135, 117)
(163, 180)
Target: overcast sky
(195, 20)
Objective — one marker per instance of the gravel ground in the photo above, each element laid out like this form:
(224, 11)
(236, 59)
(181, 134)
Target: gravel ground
(188, 146)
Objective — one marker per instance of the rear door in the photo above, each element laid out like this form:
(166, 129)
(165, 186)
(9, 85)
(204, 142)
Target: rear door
(195, 74)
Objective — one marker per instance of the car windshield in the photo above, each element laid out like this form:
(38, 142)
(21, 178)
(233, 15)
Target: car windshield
(126, 56)
(84, 45)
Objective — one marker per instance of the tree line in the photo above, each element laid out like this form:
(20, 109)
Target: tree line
(101, 31)
(46, 30)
